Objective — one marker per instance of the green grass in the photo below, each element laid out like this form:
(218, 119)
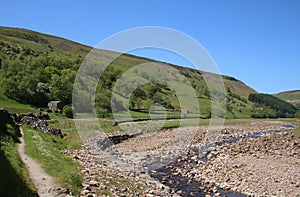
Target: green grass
(14, 106)
(298, 131)
(205, 122)
(144, 114)
(46, 150)
(290, 95)
(105, 192)
(106, 124)
(14, 177)
(59, 45)
(117, 181)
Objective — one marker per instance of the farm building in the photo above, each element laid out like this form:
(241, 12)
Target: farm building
(55, 106)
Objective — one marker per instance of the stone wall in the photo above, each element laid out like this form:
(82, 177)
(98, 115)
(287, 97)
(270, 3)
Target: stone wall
(39, 124)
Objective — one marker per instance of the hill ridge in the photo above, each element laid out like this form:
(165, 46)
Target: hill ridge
(47, 65)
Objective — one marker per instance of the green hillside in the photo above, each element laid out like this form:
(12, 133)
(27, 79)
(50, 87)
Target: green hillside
(289, 95)
(292, 97)
(36, 68)
(277, 107)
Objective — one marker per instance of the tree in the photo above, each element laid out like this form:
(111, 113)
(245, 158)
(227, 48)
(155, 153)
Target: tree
(103, 102)
(61, 87)
(152, 90)
(68, 111)
(139, 93)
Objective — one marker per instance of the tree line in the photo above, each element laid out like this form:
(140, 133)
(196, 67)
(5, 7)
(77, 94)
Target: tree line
(272, 107)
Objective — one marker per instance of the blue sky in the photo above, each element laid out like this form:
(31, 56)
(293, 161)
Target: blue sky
(256, 41)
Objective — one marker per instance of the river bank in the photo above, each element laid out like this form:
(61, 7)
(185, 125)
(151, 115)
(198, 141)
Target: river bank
(173, 162)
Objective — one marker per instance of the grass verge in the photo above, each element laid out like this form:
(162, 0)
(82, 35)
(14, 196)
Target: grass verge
(14, 106)
(14, 177)
(46, 150)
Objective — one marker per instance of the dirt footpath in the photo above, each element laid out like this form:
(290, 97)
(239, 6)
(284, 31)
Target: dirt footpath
(43, 182)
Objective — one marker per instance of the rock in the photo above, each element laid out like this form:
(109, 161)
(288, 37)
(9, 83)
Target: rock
(217, 195)
(210, 156)
(4, 115)
(59, 191)
(3, 110)
(179, 192)
(151, 191)
(93, 183)
(194, 158)
(84, 192)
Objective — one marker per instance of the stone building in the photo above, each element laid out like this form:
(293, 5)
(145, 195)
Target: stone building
(55, 106)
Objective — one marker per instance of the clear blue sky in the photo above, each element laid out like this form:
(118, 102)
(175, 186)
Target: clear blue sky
(256, 41)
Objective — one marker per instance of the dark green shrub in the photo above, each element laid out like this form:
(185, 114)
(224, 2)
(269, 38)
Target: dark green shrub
(68, 111)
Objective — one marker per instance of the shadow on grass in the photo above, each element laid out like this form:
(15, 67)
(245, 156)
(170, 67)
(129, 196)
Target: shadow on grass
(11, 184)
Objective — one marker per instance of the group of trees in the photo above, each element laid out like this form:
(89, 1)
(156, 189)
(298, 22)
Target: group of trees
(31, 76)
(145, 96)
(272, 107)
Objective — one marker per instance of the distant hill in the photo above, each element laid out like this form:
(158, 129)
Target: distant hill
(41, 42)
(292, 97)
(36, 68)
(289, 95)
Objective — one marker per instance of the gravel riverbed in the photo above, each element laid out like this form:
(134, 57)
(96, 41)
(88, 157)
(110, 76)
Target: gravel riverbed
(264, 165)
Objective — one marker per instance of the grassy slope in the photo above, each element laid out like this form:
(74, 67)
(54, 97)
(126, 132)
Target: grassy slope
(289, 95)
(14, 177)
(14, 106)
(60, 46)
(46, 149)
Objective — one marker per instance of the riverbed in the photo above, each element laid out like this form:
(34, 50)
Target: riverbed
(261, 159)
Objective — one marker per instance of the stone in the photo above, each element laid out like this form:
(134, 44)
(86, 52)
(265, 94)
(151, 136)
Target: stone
(93, 183)
(151, 192)
(194, 158)
(217, 195)
(84, 192)
(179, 192)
